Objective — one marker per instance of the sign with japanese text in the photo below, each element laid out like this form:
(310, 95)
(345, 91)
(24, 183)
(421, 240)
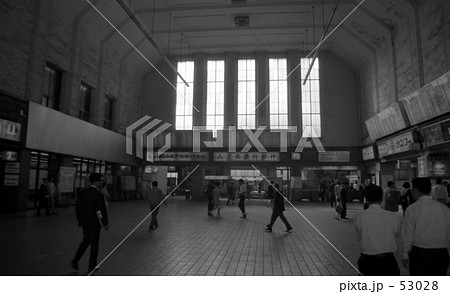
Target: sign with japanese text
(179, 156)
(10, 130)
(334, 156)
(246, 156)
(368, 153)
(12, 167)
(11, 180)
(398, 144)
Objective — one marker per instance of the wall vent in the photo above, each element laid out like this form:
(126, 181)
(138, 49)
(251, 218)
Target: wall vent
(238, 1)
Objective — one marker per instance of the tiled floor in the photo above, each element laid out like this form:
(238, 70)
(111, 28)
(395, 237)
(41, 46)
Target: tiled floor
(187, 242)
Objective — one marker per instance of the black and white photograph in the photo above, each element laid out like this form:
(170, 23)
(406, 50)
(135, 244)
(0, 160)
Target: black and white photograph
(258, 144)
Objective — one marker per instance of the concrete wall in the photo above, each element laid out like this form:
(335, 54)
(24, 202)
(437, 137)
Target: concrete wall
(416, 51)
(41, 31)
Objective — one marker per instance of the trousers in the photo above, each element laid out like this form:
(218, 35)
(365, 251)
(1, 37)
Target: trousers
(91, 236)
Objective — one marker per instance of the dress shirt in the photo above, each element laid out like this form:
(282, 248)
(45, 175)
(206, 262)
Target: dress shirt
(439, 193)
(377, 230)
(426, 225)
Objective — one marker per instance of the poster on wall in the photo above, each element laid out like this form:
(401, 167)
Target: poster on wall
(437, 167)
(12, 167)
(11, 180)
(422, 167)
(66, 179)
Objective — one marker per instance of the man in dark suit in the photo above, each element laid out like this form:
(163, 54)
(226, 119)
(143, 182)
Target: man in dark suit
(277, 210)
(91, 214)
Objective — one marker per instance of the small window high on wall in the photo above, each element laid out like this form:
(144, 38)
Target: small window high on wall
(215, 95)
(51, 87)
(246, 114)
(85, 101)
(311, 99)
(278, 94)
(185, 96)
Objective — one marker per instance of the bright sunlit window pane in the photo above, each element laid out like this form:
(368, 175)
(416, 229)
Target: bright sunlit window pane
(278, 94)
(215, 95)
(185, 96)
(246, 94)
(311, 99)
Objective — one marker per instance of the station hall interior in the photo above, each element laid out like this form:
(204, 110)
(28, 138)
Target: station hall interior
(297, 92)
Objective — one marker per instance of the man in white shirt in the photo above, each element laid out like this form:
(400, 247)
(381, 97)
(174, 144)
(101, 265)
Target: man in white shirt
(426, 233)
(377, 231)
(154, 197)
(439, 192)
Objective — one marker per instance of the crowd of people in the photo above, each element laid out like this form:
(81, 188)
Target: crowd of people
(421, 229)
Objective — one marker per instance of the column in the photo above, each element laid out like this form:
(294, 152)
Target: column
(199, 117)
(230, 89)
(262, 88)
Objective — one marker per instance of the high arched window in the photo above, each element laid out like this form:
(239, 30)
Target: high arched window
(278, 94)
(311, 99)
(185, 96)
(246, 114)
(215, 95)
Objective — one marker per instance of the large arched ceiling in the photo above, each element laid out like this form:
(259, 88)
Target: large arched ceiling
(208, 26)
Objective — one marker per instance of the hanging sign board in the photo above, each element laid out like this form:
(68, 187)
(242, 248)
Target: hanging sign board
(368, 153)
(10, 130)
(398, 144)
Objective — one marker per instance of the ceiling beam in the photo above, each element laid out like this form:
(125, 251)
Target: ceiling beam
(151, 39)
(316, 51)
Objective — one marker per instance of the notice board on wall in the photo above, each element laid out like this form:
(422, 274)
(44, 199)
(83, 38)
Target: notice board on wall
(430, 101)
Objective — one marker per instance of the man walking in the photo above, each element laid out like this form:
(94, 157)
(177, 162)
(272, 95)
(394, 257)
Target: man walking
(91, 214)
(277, 210)
(242, 191)
(426, 233)
(154, 197)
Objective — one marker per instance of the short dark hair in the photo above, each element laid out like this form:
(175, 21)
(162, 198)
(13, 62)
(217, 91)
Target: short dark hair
(422, 184)
(438, 181)
(406, 185)
(390, 183)
(95, 177)
(374, 193)
(155, 183)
